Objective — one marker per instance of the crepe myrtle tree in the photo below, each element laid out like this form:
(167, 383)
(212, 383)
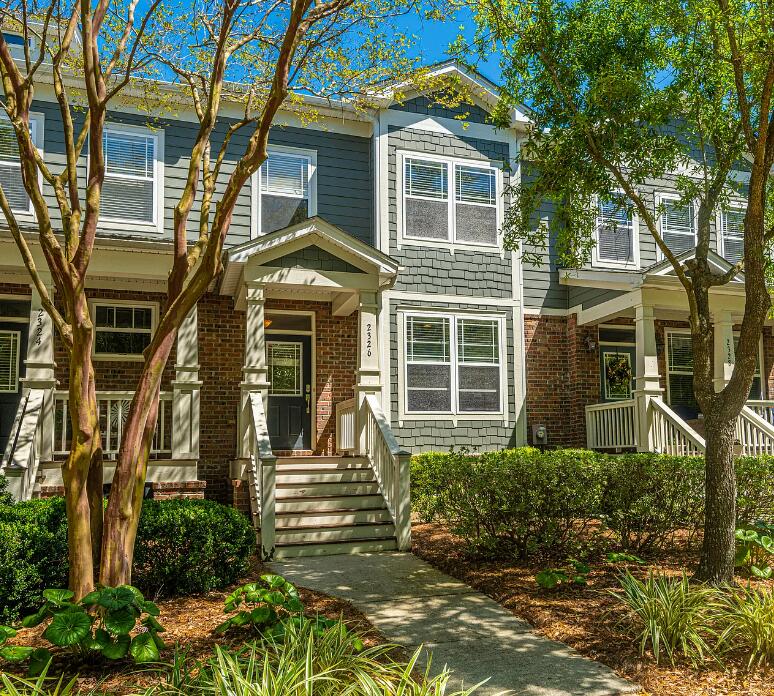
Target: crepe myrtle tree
(99, 55)
(623, 92)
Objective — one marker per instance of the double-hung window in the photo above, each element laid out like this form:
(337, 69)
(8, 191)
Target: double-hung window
(122, 331)
(732, 234)
(680, 371)
(286, 189)
(9, 361)
(678, 225)
(616, 232)
(10, 165)
(131, 185)
(453, 364)
(450, 201)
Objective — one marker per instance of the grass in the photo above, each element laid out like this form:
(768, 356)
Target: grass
(746, 620)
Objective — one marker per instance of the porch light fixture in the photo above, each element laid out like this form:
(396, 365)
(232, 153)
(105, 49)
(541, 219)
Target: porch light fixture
(591, 344)
(267, 323)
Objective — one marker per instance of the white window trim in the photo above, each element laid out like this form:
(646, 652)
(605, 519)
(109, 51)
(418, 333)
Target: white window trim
(598, 262)
(720, 224)
(121, 357)
(450, 242)
(761, 364)
(37, 123)
(454, 415)
(255, 192)
(110, 224)
(661, 198)
(17, 334)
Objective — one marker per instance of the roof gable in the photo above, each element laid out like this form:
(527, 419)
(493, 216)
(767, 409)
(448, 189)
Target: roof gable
(715, 260)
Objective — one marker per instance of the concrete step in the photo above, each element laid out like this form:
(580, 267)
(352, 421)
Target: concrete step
(291, 520)
(330, 503)
(320, 463)
(297, 477)
(291, 490)
(335, 548)
(317, 535)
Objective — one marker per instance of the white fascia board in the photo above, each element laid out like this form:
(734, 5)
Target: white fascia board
(605, 280)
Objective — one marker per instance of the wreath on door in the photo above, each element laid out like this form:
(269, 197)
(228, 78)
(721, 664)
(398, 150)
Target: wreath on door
(619, 371)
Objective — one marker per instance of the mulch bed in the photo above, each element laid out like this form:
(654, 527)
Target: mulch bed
(189, 624)
(586, 618)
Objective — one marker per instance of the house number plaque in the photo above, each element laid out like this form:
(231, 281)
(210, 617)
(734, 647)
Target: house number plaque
(368, 339)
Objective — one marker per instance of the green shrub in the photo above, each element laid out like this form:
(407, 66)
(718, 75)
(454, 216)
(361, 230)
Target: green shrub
(5, 497)
(754, 489)
(183, 547)
(649, 497)
(190, 546)
(510, 501)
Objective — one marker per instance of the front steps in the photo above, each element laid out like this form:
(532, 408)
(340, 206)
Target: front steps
(329, 505)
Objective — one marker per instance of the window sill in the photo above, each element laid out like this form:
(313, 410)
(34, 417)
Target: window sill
(617, 265)
(118, 227)
(450, 246)
(104, 357)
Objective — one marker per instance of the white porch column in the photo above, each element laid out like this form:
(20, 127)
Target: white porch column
(254, 370)
(723, 341)
(368, 362)
(186, 389)
(40, 368)
(647, 383)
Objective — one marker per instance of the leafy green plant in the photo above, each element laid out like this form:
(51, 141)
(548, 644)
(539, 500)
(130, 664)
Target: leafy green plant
(617, 557)
(102, 623)
(755, 549)
(574, 573)
(670, 616)
(746, 620)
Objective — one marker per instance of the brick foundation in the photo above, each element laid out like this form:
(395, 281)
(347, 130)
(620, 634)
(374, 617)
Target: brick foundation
(162, 490)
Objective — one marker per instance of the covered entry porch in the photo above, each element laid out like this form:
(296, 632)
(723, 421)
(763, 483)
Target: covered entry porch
(645, 370)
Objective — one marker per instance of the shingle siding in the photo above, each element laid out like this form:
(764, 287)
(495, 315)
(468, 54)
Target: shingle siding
(426, 105)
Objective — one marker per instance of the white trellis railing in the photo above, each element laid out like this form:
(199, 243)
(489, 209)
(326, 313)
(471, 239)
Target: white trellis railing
(346, 432)
(21, 459)
(261, 476)
(611, 425)
(670, 434)
(763, 408)
(754, 432)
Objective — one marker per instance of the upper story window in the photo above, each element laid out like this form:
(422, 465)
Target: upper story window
(122, 331)
(453, 365)
(677, 224)
(9, 361)
(451, 201)
(131, 189)
(10, 165)
(286, 189)
(617, 241)
(732, 234)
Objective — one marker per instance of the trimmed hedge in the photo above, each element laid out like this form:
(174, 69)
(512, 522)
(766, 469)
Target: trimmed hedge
(183, 547)
(521, 501)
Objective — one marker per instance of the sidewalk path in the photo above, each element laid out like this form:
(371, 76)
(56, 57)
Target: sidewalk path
(414, 604)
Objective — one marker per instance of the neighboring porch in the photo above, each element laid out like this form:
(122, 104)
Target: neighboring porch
(645, 371)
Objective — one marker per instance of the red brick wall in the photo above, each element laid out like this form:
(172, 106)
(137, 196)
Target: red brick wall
(15, 289)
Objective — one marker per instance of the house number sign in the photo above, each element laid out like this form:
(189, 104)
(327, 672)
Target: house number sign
(369, 343)
(39, 328)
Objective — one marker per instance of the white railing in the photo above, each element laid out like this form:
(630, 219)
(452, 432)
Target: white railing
(391, 467)
(113, 410)
(755, 434)
(670, 434)
(346, 428)
(764, 408)
(21, 459)
(611, 425)
(261, 474)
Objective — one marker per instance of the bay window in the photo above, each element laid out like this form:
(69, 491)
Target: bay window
(448, 200)
(453, 364)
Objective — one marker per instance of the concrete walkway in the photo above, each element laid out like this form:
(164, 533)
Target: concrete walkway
(414, 604)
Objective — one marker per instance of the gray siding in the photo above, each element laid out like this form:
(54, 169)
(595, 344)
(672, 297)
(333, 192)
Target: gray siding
(436, 270)
(478, 435)
(462, 112)
(589, 297)
(314, 258)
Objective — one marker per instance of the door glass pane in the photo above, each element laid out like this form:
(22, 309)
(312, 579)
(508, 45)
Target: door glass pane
(284, 361)
(618, 375)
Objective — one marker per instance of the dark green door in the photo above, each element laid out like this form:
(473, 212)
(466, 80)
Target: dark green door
(616, 370)
(13, 348)
(289, 417)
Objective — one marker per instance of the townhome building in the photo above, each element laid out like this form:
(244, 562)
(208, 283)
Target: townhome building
(368, 309)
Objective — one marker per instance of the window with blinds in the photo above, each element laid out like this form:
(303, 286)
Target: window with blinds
(122, 330)
(10, 166)
(678, 226)
(452, 365)
(431, 212)
(680, 371)
(615, 231)
(284, 190)
(129, 188)
(732, 234)
(9, 361)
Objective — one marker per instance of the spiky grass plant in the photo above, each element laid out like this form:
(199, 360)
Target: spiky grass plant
(42, 685)
(671, 616)
(746, 625)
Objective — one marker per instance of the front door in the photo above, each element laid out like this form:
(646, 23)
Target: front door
(13, 348)
(289, 418)
(616, 371)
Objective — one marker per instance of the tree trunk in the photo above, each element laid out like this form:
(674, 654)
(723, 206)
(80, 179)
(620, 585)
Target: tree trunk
(718, 549)
(122, 516)
(82, 471)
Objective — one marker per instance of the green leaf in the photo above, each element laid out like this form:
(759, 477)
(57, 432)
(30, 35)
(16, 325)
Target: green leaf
(152, 623)
(294, 606)
(116, 597)
(58, 597)
(91, 598)
(764, 573)
(550, 578)
(68, 628)
(767, 543)
(6, 632)
(160, 644)
(143, 648)
(37, 618)
(115, 650)
(15, 653)
(275, 598)
(273, 581)
(40, 659)
(151, 608)
(260, 615)
(120, 621)
(222, 628)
